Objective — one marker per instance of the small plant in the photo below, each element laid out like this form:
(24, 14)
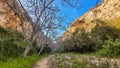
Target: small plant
(110, 49)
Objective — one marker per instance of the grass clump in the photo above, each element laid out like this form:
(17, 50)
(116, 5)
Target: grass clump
(21, 62)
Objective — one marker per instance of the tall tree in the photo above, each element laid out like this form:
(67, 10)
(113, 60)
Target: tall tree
(44, 15)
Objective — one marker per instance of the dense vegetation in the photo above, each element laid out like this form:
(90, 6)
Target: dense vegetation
(12, 45)
(20, 62)
(103, 40)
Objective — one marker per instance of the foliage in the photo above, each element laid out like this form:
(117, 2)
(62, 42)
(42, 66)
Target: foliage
(82, 41)
(103, 32)
(21, 62)
(79, 42)
(11, 44)
(110, 49)
(9, 49)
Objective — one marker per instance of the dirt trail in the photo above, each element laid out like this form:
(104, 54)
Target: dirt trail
(42, 63)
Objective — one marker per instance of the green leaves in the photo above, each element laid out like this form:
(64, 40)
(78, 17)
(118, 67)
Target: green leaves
(103, 39)
(110, 49)
(11, 44)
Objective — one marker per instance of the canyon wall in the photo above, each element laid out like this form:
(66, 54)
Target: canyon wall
(8, 18)
(108, 10)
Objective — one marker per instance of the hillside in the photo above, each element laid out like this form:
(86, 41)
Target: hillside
(96, 31)
(108, 11)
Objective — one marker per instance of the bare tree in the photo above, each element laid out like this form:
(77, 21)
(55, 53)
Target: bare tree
(72, 3)
(76, 3)
(40, 17)
(47, 18)
(24, 19)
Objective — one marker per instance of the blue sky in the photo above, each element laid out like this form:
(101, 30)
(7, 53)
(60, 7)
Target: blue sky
(71, 13)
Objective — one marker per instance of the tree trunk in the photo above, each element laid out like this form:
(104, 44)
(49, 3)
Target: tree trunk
(40, 50)
(26, 51)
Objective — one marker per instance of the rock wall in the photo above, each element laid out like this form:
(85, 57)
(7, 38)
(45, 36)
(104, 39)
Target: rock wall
(109, 9)
(8, 18)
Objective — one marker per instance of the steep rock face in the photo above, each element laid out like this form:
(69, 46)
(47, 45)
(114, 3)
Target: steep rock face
(108, 10)
(8, 18)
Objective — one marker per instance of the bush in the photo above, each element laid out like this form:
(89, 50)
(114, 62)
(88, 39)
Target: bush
(103, 32)
(9, 49)
(11, 44)
(110, 49)
(79, 42)
(82, 41)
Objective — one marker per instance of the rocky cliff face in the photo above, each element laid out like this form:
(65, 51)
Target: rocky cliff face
(8, 18)
(107, 10)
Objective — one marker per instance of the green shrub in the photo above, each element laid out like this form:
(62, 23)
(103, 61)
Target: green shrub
(79, 42)
(110, 49)
(83, 41)
(9, 49)
(103, 32)
(11, 44)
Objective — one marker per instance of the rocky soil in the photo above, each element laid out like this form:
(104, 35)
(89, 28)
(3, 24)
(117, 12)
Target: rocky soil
(77, 61)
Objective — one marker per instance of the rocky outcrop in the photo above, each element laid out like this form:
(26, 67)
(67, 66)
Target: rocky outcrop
(109, 9)
(8, 18)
